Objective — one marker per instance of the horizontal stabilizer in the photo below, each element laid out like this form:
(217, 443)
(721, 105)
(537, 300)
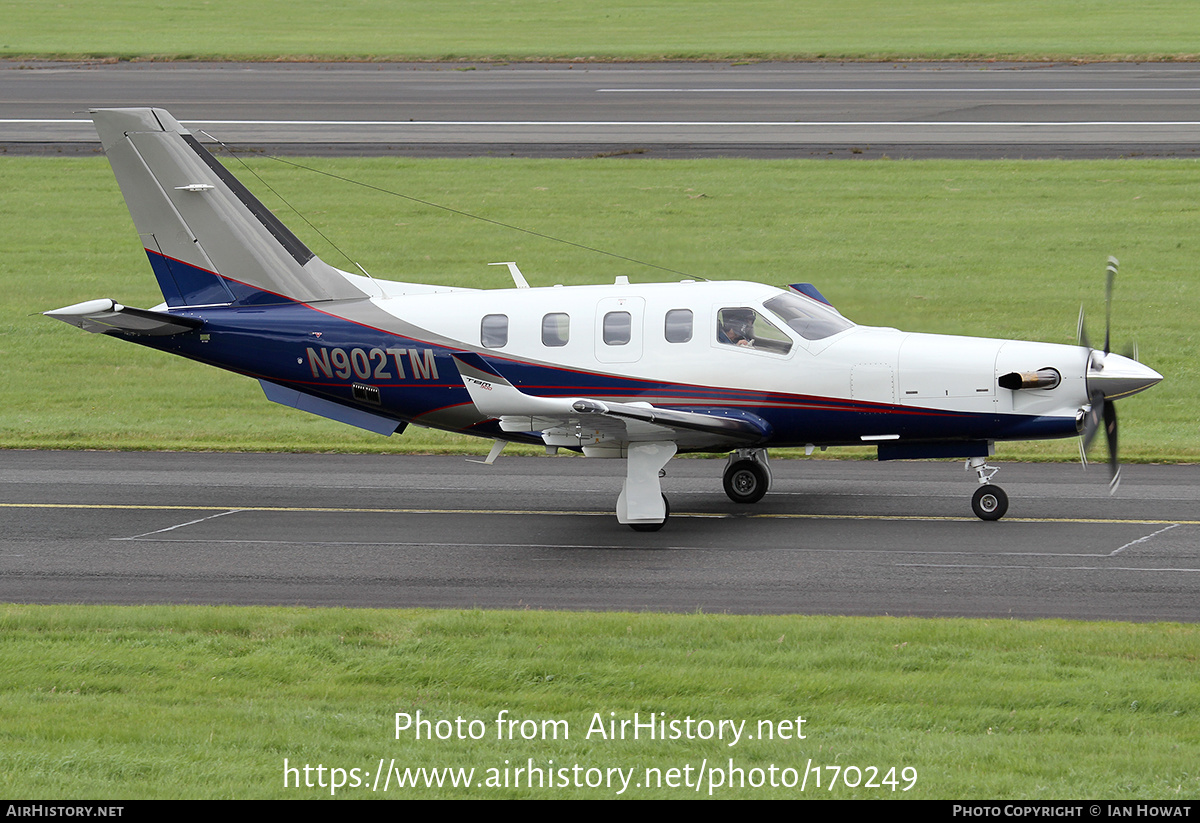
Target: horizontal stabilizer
(109, 317)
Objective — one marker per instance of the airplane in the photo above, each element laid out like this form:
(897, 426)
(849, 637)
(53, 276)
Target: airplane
(639, 372)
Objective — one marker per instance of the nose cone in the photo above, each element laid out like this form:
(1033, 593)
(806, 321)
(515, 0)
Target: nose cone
(1116, 376)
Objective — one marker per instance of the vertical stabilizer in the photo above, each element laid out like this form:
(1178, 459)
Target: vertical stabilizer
(210, 241)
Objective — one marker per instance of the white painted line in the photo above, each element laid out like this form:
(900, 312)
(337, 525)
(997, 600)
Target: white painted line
(991, 124)
(1144, 539)
(708, 123)
(897, 518)
(178, 525)
(442, 545)
(622, 546)
(1045, 568)
(913, 90)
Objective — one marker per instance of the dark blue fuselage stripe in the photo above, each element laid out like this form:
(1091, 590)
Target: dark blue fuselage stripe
(237, 338)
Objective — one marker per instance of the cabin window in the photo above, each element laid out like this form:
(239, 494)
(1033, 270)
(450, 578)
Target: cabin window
(748, 329)
(493, 331)
(808, 318)
(556, 329)
(618, 326)
(678, 326)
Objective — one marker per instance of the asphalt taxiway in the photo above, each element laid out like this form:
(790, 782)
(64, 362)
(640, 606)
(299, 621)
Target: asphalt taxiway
(832, 537)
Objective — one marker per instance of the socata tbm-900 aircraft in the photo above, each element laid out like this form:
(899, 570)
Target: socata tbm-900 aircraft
(640, 372)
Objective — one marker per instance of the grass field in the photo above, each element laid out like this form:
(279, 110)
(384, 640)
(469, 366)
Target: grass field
(1001, 249)
(616, 30)
(203, 702)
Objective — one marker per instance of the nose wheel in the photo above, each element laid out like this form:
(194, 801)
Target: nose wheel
(989, 502)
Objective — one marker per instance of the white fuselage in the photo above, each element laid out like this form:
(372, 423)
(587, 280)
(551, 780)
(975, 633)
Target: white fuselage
(862, 364)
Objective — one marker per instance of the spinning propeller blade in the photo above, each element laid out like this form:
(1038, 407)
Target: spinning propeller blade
(1108, 288)
(1099, 410)
(1110, 434)
(1109, 377)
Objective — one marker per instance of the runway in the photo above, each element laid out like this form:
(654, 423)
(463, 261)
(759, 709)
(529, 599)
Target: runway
(857, 110)
(832, 537)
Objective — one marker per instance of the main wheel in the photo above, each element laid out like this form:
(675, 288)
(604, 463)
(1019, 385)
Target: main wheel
(746, 481)
(989, 502)
(653, 527)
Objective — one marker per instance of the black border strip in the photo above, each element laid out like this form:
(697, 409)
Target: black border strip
(295, 247)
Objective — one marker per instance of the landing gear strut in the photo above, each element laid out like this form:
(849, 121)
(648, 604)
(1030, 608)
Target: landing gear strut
(747, 475)
(641, 504)
(989, 502)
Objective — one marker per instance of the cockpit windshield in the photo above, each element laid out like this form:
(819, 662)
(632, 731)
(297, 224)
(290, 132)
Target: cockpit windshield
(808, 318)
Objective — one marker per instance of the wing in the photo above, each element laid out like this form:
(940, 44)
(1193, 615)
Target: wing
(582, 422)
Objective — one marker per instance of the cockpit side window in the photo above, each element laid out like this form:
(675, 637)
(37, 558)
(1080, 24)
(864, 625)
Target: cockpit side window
(809, 319)
(747, 328)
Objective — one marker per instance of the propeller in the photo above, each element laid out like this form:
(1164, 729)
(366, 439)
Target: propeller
(1098, 413)
(1109, 377)
(1110, 278)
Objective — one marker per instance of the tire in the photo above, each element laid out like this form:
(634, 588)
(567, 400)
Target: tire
(746, 481)
(653, 527)
(989, 502)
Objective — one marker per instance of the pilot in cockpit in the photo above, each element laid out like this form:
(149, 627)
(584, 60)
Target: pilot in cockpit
(737, 327)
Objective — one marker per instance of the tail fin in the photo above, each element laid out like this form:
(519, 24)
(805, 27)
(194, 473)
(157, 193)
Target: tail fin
(210, 241)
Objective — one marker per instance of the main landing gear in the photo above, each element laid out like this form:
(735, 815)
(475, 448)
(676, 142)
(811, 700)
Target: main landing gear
(641, 505)
(653, 527)
(989, 502)
(747, 475)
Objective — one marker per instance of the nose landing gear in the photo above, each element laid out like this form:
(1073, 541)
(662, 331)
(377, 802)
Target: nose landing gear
(989, 502)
